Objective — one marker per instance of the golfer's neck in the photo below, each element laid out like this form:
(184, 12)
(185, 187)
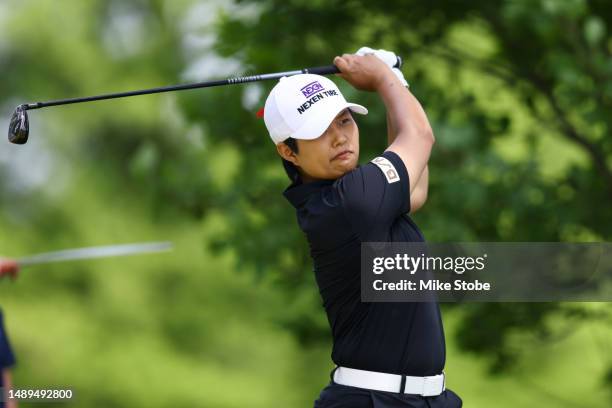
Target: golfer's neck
(307, 179)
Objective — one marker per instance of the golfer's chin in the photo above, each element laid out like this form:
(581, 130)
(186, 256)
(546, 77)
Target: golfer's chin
(340, 169)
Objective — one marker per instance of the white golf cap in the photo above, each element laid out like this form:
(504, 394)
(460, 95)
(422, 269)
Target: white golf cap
(303, 106)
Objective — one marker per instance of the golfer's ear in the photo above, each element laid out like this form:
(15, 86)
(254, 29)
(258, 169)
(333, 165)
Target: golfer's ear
(286, 153)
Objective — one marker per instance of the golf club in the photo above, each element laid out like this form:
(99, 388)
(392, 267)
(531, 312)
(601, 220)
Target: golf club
(19, 127)
(95, 252)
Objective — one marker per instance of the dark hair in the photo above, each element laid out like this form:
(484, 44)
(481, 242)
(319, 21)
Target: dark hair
(290, 169)
(292, 143)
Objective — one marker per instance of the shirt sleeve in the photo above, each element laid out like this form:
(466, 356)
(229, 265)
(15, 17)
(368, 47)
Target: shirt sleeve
(374, 195)
(7, 359)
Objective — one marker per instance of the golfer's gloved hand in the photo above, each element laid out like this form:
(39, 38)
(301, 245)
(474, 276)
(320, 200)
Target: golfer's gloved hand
(388, 58)
(8, 267)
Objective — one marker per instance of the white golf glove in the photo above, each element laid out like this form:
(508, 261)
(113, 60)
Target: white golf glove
(388, 58)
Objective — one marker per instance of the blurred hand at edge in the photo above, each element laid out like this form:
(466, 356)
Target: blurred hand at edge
(8, 267)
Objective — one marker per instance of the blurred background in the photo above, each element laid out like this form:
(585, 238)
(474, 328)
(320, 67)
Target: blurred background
(519, 94)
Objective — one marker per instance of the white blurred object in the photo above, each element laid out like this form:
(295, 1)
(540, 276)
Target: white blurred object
(95, 252)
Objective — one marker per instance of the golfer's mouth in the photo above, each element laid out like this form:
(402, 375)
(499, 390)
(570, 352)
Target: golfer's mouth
(343, 155)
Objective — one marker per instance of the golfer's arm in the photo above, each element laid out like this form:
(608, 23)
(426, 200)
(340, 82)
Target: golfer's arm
(409, 132)
(390, 131)
(419, 194)
(391, 134)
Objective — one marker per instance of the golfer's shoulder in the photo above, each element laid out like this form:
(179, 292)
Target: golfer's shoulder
(372, 181)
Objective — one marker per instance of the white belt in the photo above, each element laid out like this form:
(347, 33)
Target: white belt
(372, 380)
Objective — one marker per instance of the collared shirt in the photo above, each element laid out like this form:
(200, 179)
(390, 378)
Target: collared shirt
(368, 204)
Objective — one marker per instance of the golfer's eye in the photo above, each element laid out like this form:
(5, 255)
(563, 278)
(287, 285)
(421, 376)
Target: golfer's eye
(346, 121)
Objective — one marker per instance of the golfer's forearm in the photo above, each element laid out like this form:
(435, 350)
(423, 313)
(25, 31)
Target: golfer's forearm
(405, 116)
(411, 135)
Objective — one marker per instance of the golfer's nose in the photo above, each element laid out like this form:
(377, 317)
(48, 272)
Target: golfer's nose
(339, 137)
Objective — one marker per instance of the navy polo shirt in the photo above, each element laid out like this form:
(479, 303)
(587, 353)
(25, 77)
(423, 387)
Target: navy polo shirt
(6, 354)
(368, 204)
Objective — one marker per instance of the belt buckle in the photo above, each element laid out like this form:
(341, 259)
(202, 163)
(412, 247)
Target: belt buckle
(430, 386)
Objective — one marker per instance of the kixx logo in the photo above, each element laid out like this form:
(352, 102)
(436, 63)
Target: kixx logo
(387, 168)
(315, 92)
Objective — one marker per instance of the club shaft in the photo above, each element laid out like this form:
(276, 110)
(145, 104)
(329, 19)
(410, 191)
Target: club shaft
(324, 70)
(95, 252)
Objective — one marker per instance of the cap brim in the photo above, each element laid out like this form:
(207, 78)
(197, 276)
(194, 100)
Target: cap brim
(315, 128)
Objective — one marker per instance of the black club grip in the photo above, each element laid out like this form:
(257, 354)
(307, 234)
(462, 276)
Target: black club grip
(325, 70)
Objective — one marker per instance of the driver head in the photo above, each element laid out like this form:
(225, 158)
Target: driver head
(19, 128)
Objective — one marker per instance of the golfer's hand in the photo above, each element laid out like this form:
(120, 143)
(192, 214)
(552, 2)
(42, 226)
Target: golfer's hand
(365, 73)
(8, 267)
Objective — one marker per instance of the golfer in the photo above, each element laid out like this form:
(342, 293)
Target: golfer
(7, 359)
(387, 354)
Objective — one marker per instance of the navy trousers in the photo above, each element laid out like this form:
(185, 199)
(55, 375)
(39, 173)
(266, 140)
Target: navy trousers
(343, 396)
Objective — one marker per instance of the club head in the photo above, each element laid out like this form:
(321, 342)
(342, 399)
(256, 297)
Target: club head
(19, 129)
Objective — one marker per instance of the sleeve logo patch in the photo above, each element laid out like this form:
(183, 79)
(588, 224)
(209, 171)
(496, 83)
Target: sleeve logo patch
(387, 168)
